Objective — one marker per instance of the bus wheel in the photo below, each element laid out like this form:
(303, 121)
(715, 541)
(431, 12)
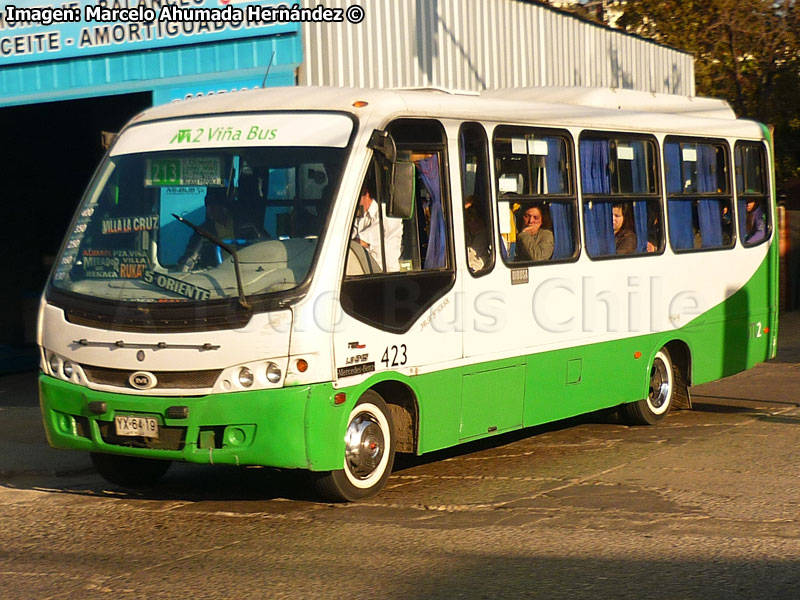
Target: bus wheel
(652, 409)
(129, 471)
(368, 453)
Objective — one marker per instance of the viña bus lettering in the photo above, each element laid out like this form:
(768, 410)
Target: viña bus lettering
(484, 298)
(223, 134)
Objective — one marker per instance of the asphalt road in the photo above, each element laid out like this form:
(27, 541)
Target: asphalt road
(705, 505)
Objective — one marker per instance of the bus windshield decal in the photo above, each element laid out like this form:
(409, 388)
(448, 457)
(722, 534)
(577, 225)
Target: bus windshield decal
(114, 264)
(192, 171)
(175, 285)
(129, 224)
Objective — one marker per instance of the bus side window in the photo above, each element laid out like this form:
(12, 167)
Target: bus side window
(699, 200)
(375, 239)
(621, 200)
(753, 205)
(537, 205)
(418, 243)
(397, 268)
(476, 198)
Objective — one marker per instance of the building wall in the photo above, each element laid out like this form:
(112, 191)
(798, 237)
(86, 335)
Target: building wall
(458, 44)
(89, 59)
(483, 45)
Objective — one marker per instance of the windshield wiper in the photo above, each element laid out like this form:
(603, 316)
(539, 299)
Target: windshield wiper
(229, 249)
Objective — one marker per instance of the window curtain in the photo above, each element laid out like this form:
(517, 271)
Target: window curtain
(709, 213)
(640, 222)
(639, 181)
(639, 171)
(560, 213)
(679, 210)
(597, 180)
(436, 255)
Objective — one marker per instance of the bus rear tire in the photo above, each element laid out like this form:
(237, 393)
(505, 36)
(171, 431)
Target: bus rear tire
(129, 471)
(368, 455)
(661, 389)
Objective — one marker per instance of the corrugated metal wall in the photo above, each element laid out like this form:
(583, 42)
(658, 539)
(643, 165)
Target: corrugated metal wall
(483, 44)
(149, 70)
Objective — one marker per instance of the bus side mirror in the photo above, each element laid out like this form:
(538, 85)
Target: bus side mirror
(382, 142)
(401, 198)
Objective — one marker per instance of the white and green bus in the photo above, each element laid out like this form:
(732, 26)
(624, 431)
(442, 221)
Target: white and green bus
(317, 279)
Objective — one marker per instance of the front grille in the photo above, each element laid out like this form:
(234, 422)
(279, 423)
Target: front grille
(166, 379)
(232, 319)
(169, 438)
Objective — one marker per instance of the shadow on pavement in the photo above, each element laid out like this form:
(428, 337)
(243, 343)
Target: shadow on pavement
(705, 407)
(476, 575)
(788, 338)
(185, 483)
(209, 483)
(19, 389)
(602, 417)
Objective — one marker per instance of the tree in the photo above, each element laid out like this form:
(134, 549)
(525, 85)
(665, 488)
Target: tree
(746, 51)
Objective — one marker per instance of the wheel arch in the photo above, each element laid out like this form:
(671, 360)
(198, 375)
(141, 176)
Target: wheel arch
(681, 355)
(403, 405)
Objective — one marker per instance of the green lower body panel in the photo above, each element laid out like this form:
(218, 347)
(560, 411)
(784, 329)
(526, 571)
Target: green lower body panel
(491, 398)
(296, 427)
(737, 334)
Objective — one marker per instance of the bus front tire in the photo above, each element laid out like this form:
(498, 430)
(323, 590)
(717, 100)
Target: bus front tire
(368, 454)
(129, 471)
(661, 389)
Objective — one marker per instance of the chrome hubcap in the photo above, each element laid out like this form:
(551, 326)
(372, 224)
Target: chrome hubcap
(364, 446)
(659, 385)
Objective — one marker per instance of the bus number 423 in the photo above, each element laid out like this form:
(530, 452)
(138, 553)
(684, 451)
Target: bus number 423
(394, 356)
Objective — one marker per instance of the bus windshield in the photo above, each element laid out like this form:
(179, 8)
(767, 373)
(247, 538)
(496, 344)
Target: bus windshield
(158, 226)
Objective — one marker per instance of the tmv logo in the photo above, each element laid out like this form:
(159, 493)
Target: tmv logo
(183, 135)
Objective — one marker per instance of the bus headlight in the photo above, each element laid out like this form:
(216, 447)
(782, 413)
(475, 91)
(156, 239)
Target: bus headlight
(245, 377)
(69, 369)
(273, 373)
(55, 365)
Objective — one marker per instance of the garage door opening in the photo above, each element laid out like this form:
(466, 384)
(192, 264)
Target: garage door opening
(50, 153)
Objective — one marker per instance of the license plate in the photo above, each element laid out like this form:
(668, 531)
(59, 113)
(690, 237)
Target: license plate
(137, 426)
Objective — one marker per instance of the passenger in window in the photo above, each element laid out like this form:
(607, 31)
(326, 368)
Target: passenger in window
(653, 227)
(755, 223)
(624, 235)
(727, 225)
(477, 236)
(367, 230)
(535, 240)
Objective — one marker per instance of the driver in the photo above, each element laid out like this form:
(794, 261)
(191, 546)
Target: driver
(201, 252)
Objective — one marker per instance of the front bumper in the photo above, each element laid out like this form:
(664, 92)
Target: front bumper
(295, 427)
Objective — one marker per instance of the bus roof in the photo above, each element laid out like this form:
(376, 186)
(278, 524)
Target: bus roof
(594, 108)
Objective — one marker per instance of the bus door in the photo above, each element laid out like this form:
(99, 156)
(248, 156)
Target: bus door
(398, 296)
